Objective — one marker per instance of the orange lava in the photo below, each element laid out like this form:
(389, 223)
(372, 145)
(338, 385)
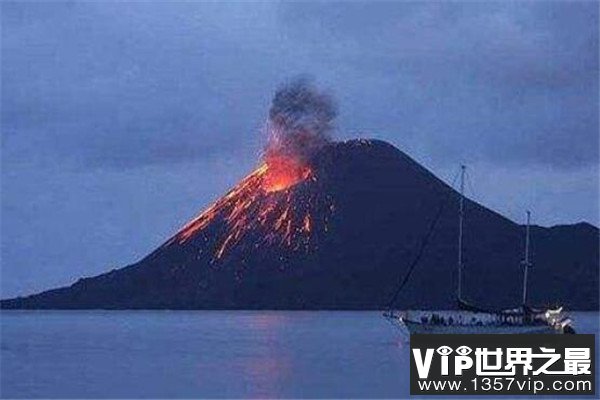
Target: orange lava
(284, 172)
(260, 204)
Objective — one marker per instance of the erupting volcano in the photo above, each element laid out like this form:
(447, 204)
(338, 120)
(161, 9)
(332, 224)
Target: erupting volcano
(264, 202)
(321, 224)
(299, 122)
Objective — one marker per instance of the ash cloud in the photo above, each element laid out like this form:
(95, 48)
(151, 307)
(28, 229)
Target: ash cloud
(300, 121)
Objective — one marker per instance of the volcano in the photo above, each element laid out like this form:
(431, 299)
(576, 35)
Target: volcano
(338, 231)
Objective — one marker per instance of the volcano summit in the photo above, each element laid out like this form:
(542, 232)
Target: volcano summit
(337, 229)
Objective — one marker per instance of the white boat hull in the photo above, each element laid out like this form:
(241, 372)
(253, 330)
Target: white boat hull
(467, 322)
(465, 329)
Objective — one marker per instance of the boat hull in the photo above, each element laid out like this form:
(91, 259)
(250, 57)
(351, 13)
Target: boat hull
(468, 322)
(414, 328)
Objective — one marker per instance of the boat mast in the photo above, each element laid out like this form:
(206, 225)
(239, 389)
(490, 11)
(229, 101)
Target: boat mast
(460, 230)
(526, 263)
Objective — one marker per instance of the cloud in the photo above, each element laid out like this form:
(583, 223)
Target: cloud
(516, 83)
(86, 86)
(130, 84)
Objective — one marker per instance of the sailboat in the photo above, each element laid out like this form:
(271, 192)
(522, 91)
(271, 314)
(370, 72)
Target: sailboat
(472, 319)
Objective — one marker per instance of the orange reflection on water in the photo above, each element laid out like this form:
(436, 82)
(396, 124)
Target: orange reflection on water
(269, 370)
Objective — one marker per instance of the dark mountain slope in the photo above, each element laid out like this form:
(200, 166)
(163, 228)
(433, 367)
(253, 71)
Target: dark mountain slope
(340, 239)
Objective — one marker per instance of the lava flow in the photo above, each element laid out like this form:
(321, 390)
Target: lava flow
(284, 172)
(281, 202)
(266, 206)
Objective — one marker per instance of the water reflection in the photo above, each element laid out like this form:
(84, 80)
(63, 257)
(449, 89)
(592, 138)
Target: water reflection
(210, 354)
(268, 368)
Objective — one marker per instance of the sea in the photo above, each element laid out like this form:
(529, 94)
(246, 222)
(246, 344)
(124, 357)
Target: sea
(207, 354)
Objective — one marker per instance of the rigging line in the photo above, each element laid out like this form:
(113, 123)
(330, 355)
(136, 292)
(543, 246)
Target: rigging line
(470, 184)
(423, 245)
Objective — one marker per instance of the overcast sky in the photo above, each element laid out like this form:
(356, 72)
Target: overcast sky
(121, 121)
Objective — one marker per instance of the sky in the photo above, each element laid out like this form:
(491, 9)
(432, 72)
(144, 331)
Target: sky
(122, 120)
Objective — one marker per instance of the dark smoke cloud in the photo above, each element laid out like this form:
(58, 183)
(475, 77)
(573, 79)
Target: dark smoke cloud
(300, 119)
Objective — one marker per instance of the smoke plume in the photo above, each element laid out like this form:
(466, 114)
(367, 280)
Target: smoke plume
(300, 120)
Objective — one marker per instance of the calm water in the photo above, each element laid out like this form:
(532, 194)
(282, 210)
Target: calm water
(206, 354)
